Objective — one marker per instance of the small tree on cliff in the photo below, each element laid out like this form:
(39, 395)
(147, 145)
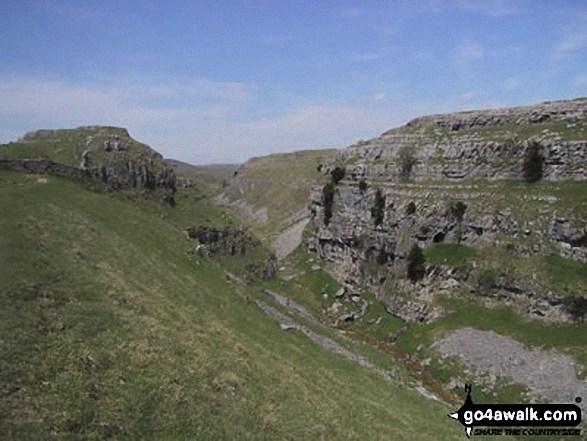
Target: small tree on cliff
(577, 308)
(458, 210)
(407, 160)
(416, 264)
(378, 210)
(411, 209)
(327, 202)
(363, 186)
(533, 163)
(337, 175)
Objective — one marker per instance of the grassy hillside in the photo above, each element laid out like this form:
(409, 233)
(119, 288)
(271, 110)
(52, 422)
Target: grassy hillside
(111, 329)
(211, 178)
(279, 183)
(111, 147)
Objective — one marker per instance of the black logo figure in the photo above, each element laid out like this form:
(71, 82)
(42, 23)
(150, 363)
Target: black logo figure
(460, 414)
(515, 415)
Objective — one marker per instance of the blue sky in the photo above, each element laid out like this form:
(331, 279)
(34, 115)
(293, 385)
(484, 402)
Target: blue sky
(224, 80)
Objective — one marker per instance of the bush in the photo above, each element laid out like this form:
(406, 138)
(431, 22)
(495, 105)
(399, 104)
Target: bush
(411, 209)
(416, 264)
(407, 160)
(577, 307)
(378, 210)
(458, 210)
(381, 257)
(337, 175)
(533, 163)
(486, 280)
(327, 201)
(363, 185)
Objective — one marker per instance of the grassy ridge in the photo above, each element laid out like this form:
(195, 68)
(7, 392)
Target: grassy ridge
(109, 330)
(67, 147)
(281, 183)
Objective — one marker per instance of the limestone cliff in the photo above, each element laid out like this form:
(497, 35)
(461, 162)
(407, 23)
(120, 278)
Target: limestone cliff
(457, 179)
(481, 144)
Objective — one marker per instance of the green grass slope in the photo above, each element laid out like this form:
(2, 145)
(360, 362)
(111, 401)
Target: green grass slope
(66, 146)
(110, 330)
(280, 183)
(210, 178)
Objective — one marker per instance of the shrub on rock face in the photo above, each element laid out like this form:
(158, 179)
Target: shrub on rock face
(363, 185)
(407, 160)
(416, 264)
(327, 202)
(378, 210)
(458, 210)
(533, 163)
(337, 175)
(169, 200)
(577, 308)
(486, 280)
(382, 257)
(411, 209)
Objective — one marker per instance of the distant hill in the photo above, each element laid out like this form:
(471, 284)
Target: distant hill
(183, 168)
(209, 178)
(271, 192)
(109, 153)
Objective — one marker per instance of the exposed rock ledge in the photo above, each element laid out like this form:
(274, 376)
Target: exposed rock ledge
(108, 154)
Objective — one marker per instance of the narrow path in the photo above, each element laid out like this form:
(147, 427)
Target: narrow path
(294, 307)
(289, 323)
(286, 323)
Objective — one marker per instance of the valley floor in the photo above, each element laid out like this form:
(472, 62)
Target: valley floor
(111, 328)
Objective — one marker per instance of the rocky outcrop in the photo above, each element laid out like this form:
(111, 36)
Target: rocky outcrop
(464, 157)
(45, 168)
(228, 241)
(439, 180)
(132, 173)
(572, 111)
(111, 155)
(143, 178)
(485, 144)
(361, 253)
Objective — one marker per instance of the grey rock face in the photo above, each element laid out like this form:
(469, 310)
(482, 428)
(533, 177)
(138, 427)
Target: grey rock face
(563, 231)
(358, 252)
(569, 111)
(455, 147)
(463, 158)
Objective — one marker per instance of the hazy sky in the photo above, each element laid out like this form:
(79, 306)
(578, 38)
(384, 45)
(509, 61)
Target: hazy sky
(223, 80)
